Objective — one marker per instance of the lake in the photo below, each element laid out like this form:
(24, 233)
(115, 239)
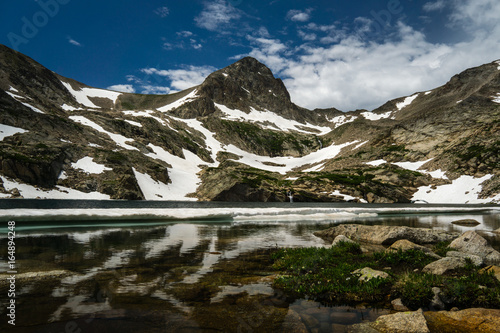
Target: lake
(123, 266)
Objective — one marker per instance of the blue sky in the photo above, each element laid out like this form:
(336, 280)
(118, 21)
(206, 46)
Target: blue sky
(347, 54)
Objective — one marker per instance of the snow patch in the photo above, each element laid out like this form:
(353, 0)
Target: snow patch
(264, 118)
(498, 63)
(11, 88)
(183, 176)
(406, 102)
(134, 123)
(14, 95)
(82, 96)
(6, 130)
(460, 101)
(88, 165)
(120, 140)
(346, 197)
(67, 107)
(376, 162)
(463, 190)
(32, 108)
(428, 92)
(341, 120)
(188, 98)
(60, 192)
(496, 98)
(375, 116)
(413, 166)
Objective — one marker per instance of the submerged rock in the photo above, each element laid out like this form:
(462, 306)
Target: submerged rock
(472, 243)
(466, 222)
(385, 235)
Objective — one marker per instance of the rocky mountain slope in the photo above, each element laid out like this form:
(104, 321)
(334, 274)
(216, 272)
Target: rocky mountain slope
(238, 137)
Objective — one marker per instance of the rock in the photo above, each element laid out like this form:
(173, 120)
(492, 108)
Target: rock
(444, 265)
(309, 320)
(385, 235)
(15, 193)
(472, 243)
(469, 320)
(361, 328)
(494, 269)
(466, 222)
(293, 323)
(437, 303)
(476, 260)
(341, 238)
(497, 231)
(405, 245)
(398, 305)
(368, 273)
(402, 322)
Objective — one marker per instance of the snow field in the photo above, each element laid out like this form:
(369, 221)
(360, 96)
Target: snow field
(6, 130)
(82, 96)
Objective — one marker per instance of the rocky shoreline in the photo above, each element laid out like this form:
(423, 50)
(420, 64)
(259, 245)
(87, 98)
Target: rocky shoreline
(468, 248)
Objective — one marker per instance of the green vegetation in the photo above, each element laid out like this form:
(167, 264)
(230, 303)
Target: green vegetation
(326, 274)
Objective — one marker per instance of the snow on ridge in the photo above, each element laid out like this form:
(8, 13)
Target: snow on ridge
(133, 123)
(119, 139)
(17, 97)
(413, 166)
(6, 131)
(11, 88)
(406, 102)
(82, 95)
(374, 116)
(376, 162)
(262, 117)
(498, 63)
(67, 107)
(428, 92)
(463, 190)
(88, 165)
(188, 98)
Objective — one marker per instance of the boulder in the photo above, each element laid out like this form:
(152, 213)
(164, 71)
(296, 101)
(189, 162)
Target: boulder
(368, 273)
(293, 323)
(398, 305)
(402, 322)
(342, 238)
(494, 269)
(444, 265)
(466, 222)
(469, 320)
(476, 260)
(437, 303)
(405, 245)
(386, 235)
(472, 243)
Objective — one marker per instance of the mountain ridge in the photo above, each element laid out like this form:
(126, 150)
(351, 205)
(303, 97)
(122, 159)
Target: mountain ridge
(238, 137)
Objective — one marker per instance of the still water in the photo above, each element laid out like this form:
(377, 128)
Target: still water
(183, 267)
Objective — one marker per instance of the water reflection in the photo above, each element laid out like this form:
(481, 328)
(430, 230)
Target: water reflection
(182, 276)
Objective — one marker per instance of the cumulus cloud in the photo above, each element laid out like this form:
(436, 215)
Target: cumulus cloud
(347, 70)
(126, 88)
(181, 79)
(217, 15)
(299, 15)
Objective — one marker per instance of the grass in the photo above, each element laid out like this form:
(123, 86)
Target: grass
(325, 274)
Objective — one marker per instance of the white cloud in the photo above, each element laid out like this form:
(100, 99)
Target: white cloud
(126, 88)
(155, 90)
(299, 15)
(433, 6)
(74, 42)
(350, 71)
(216, 15)
(184, 34)
(181, 79)
(162, 12)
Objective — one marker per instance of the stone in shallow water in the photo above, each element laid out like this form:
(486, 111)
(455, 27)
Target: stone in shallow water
(466, 222)
(402, 322)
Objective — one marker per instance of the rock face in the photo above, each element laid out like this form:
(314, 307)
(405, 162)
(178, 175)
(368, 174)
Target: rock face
(385, 235)
(469, 320)
(402, 322)
(239, 137)
(342, 239)
(472, 243)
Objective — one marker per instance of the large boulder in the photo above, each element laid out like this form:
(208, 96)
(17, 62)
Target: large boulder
(385, 235)
(469, 320)
(405, 245)
(472, 243)
(402, 322)
(367, 273)
(342, 239)
(444, 265)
